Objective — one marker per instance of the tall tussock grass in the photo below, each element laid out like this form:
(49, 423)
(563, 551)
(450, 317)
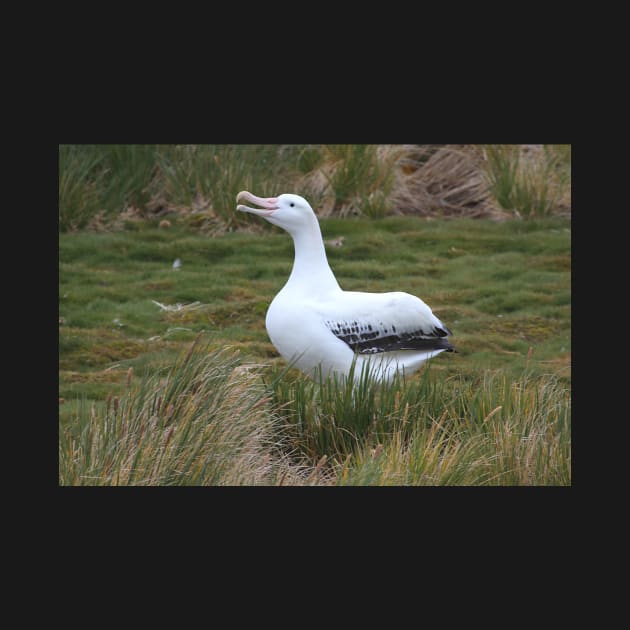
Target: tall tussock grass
(360, 177)
(99, 183)
(491, 433)
(427, 431)
(101, 180)
(80, 186)
(209, 176)
(205, 422)
(335, 416)
(531, 181)
(211, 420)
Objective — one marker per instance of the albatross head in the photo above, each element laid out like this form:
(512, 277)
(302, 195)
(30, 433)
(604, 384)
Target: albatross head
(287, 211)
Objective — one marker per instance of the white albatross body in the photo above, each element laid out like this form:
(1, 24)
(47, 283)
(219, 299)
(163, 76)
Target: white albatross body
(321, 329)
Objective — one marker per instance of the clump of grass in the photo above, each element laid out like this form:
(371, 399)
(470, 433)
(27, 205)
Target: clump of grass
(495, 432)
(529, 182)
(206, 422)
(309, 157)
(361, 177)
(502, 173)
(334, 416)
(425, 456)
(130, 170)
(427, 431)
(209, 176)
(443, 180)
(79, 186)
(100, 181)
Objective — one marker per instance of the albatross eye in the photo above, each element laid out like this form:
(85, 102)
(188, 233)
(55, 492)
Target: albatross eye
(292, 204)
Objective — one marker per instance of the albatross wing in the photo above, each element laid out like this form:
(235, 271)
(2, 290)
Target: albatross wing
(371, 323)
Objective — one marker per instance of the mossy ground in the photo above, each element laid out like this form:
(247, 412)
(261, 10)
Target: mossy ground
(504, 289)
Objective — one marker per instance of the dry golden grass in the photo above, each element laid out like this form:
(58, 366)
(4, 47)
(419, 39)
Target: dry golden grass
(443, 180)
(206, 422)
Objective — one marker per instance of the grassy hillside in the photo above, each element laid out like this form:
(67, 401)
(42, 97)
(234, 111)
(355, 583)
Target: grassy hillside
(498, 411)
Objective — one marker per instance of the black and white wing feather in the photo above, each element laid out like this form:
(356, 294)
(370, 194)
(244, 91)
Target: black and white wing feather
(372, 323)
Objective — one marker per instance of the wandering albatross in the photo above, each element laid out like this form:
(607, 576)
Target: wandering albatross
(322, 329)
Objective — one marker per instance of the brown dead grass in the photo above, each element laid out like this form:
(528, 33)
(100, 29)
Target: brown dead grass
(429, 181)
(446, 180)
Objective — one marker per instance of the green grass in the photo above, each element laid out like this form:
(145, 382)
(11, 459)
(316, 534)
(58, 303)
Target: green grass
(362, 179)
(503, 288)
(80, 186)
(529, 187)
(103, 179)
(213, 174)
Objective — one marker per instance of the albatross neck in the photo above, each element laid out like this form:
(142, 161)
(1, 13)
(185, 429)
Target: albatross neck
(310, 267)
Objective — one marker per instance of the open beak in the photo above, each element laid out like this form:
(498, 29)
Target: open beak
(268, 204)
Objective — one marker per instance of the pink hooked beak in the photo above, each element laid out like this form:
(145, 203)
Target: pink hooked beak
(270, 204)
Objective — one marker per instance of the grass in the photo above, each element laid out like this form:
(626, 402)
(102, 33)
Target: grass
(79, 187)
(497, 412)
(531, 445)
(210, 420)
(432, 431)
(530, 186)
(492, 432)
(112, 186)
(99, 181)
(502, 287)
(204, 422)
(362, 178)
(209, 176)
